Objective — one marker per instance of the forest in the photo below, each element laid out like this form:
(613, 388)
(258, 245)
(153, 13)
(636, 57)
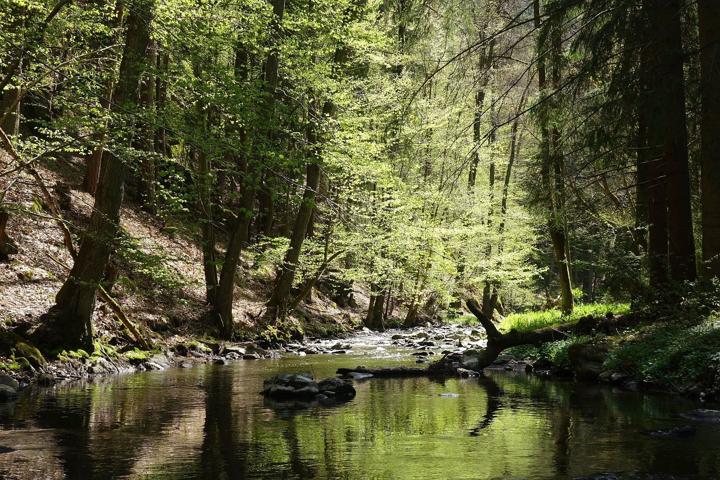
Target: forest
(214, 180)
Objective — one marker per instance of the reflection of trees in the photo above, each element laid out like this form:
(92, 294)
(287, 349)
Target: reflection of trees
(102, 429)
(300, 467)
(493, 392)
(221, 458)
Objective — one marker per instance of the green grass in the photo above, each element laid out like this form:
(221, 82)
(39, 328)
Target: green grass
(552, 318)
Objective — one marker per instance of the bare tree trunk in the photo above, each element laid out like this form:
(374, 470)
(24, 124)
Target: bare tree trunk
(69, 323)
(146, 142)
(94, 160)
(7, 246)
(163, 63)
(10, 100)
(709, 21)
(484, 65)
(281, 292)
(376, 312)
(206, 207)
(551, 165)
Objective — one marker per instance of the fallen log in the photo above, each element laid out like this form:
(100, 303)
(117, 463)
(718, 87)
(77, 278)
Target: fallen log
(497, 342)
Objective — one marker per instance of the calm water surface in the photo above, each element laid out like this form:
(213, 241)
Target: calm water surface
(209, 422)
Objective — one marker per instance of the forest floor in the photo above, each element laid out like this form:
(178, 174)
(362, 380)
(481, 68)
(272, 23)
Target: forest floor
(160, 286)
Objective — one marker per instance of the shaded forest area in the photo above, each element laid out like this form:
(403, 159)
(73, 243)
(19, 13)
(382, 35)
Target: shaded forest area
(241, 168)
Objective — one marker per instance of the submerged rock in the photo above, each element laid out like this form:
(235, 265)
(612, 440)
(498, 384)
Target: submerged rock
(301, 387)
(9, 381)
(703, 415)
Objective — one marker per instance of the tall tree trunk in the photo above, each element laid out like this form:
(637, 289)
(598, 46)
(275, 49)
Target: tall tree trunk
(94, 160)
(161, 86)
(375, 319)
(709, 21)
(667, 130)
(146, 142)
(281, 292)
(551, 161)
(206, 207)
(484, 65)
(69, 322)
(652, 174)
(10, 100)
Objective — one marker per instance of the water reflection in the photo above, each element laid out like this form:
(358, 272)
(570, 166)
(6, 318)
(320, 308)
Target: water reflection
(210, 422)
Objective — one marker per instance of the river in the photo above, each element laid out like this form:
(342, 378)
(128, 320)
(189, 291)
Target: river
(210, 422)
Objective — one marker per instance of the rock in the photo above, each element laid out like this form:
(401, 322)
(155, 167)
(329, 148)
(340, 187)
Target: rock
(339, 389)
(359, 375)
(397, 337)
(421, 360)
(632, 386)
(427, 343)
(684, 431)
(7, 392)
(617, 377)
(150, 365)
(9, 381)
(465, 373)
(519, 366)
(220, 361)
(100, 366)
(302, 387)
(31, 353)
(234, 350)
(542, 364)
(161, 360)
(703, 415)
(251, 356)
(586, 359)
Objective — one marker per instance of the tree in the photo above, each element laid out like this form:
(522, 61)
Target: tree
(709, 21)
(667, 137)
(69, 321)
(552, 169)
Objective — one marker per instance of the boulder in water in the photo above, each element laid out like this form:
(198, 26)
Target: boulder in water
(302, 387)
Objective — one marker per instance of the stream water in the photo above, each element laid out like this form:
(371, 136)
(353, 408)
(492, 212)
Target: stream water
(210, 422)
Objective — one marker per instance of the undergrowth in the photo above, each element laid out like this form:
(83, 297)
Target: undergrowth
(678, 354)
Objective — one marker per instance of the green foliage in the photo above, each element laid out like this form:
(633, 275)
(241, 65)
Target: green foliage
(552, 318)
(137, 355)
(678, 354)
